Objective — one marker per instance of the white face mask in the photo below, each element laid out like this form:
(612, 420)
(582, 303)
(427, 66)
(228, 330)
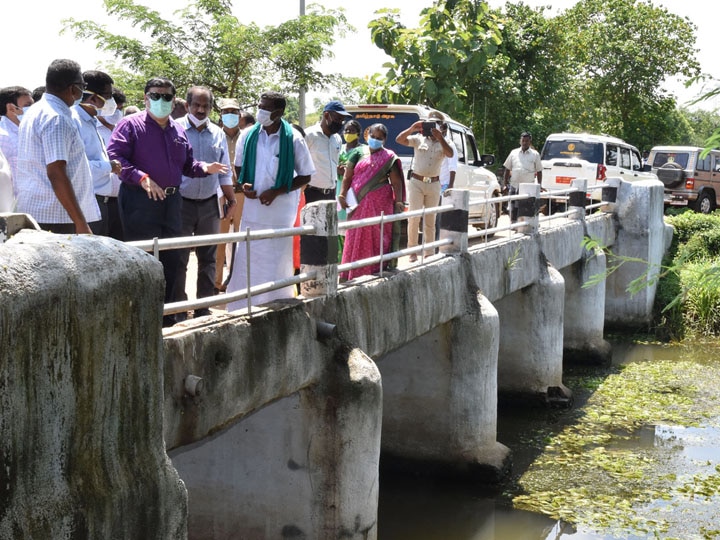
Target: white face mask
(113, 118)
(197, 122)
(263, 118)
(108, 108)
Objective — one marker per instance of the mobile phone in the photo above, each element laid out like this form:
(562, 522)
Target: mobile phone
(427, 128)
(226, 207)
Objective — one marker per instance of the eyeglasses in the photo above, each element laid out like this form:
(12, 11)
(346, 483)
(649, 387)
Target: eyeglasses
(104, 99)
(155, 96)
(80, 86)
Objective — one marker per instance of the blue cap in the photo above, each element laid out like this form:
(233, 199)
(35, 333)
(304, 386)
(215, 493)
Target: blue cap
(338, 107)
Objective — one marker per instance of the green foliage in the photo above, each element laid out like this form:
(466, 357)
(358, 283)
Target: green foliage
(598, 67)
(205, 44)
(589, 475)
(434, 63)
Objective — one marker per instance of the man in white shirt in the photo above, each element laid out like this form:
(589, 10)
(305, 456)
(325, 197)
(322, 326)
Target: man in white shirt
(106, 184)
(54, 182)
(272, 163)
(200, 213)
(324, 142)
(449, 164)
(14, 101)
(522, 166)
(7, 198)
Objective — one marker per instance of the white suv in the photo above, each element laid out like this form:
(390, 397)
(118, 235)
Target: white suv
(567, 156)
(471, 174)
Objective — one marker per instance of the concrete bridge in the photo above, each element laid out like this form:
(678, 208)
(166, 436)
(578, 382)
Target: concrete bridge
(272, 426)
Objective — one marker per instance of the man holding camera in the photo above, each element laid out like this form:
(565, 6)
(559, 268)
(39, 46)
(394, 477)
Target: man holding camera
(430, 148)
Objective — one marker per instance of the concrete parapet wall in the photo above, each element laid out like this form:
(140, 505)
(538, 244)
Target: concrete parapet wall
(81, 393)
(641, 234)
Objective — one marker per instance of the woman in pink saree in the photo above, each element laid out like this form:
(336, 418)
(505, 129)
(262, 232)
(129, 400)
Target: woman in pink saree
(377, 183)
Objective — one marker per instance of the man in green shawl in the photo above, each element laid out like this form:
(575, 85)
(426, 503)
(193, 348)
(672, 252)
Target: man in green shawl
(272, 162)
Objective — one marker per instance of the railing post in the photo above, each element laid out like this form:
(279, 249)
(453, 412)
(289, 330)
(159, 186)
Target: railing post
(454, 224)
(577, 201)
(609, 194)
(319, 252)
(528, 208)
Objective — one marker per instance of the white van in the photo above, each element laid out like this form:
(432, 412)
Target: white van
(567, 156)
(471, 174)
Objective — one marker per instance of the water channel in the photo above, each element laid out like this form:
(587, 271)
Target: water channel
(651, 473)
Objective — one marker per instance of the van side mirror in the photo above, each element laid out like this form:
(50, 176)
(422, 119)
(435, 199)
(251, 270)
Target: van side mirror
(485, 160)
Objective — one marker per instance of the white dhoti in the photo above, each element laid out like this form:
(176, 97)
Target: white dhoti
(270, 260)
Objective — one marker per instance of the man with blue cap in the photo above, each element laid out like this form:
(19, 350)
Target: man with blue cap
(324, 142)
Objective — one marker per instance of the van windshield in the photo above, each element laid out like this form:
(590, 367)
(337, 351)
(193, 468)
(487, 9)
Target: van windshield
(661, 158)
(566, 149)
(395, 122)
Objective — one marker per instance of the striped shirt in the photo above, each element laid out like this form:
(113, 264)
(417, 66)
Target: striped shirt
(48, 134)
(209, 145)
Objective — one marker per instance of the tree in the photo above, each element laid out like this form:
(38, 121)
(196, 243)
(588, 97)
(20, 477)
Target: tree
(207, 45)
(597, 67)
(621, 52)
(433, 63)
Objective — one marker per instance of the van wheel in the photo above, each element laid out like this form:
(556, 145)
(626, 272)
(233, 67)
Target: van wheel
(704, 203)
(671, 174)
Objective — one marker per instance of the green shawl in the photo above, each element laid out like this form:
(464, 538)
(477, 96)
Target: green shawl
(286, 163)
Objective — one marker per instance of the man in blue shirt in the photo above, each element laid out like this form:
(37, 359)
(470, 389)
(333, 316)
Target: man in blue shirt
(200, 212)
(97, 97)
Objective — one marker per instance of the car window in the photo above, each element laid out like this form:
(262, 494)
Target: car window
(589, 151)
(625, 158)
(636, 160)
(611, 155)
(661, 158)
(457, 139)
(395, 122)
(717, 163)
(471, 153)
(703, 164)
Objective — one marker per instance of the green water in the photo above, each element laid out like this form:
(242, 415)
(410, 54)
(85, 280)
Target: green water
(637, 456)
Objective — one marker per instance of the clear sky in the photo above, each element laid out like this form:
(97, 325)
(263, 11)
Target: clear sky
(29, 48)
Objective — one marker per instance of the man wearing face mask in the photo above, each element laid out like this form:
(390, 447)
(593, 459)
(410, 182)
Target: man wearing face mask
(107, 122)
(272, 163)
(200, 213)
(14, 101)
(231, 121)
(54, 182)
(324, 144)
(98, 98)
(155, 153)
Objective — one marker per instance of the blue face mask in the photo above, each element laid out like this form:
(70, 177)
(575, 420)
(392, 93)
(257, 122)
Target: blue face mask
(375, 144)
(230, 120)
(160, 108)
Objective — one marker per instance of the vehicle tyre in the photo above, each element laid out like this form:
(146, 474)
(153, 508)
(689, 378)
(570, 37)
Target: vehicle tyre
(671, 174)
(491, 220)
(705, 203)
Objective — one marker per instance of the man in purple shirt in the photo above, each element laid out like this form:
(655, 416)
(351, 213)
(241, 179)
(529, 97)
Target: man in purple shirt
(155, 153)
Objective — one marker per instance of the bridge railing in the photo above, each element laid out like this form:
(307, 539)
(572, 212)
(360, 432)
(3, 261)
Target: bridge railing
(454, 235)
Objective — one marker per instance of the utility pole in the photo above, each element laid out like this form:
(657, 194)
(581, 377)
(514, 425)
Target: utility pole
(301, 94)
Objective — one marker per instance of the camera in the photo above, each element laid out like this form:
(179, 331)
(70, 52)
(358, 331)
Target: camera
(427, 128)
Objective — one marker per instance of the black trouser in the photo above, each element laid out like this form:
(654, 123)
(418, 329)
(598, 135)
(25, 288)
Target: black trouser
(68, 228)
(110, 217)
(145, 219)
(313, 194)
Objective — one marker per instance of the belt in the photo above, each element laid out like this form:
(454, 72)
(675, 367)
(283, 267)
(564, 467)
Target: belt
(324, 191)
(171, 190)
(426, 179)
(105, 198)
(198, 201)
